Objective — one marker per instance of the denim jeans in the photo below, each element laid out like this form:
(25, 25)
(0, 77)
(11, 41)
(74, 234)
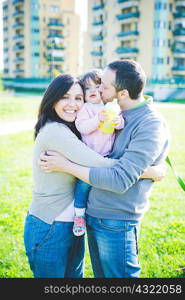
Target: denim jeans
(52, 249)
(113, 247)
(81, 194)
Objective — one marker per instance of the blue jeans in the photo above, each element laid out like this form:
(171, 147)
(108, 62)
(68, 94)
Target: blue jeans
(52, 249)
(81, 194)
(113, 247)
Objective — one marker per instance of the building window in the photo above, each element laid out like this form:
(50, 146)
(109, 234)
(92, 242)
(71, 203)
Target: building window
(54, 8)
(170, 7)
(169, 43)
(160, 60)
(36, 42)
(158, 5)
(35, 6)
(35, 18)
(168, 60)
(35, 30)
(170, 25)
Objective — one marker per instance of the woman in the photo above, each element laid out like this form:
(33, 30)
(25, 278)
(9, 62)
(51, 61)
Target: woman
(52, 249)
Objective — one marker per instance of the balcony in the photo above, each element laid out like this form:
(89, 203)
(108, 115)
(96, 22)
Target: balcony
(126, 33)
(96, 53)
(97, 37)
(128, 15)
(121, 1)
(5, 6)
(15, 2)
(179, 31)
(55, 35)
(18, 36)
(18, 47)
(18, 71)
(18, 24)
(55, 24)
(178, 51)
(180, 3)
(55, 47)
(18, 59)
(179, 14)
(54, 58)
(17, 13)
(100, 6)
(122, 50)
(98, 22)
(178, 68)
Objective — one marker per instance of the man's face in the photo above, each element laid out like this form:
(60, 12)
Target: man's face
(107, 89)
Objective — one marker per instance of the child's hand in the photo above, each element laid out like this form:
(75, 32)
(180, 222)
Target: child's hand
(103, 116)
(117, 121)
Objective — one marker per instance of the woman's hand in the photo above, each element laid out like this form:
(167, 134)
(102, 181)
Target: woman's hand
(53, 162)
(156, 173)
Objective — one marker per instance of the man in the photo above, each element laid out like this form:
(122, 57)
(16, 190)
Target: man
(118, 198)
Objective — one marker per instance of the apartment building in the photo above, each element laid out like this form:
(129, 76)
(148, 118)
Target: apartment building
(41, 38)
(151, 32)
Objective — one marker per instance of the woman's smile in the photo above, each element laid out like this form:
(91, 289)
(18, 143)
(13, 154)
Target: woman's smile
(67, 107)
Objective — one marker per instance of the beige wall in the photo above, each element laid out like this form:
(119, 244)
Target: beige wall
(145, 40)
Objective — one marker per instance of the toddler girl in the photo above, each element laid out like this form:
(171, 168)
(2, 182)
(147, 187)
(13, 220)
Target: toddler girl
(87, 123)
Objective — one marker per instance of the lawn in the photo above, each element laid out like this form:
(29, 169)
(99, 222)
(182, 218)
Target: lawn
(162, 242)
(18, 108)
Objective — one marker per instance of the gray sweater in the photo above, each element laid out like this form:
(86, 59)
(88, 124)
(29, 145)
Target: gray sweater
(53, 192)
(117, 192)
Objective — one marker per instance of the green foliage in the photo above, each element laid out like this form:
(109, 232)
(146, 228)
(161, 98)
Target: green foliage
(161, 243)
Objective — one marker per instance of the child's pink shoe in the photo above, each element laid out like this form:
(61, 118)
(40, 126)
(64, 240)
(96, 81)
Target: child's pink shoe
(79, 226)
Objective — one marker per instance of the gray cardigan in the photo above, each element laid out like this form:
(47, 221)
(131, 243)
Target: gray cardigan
(53, 192)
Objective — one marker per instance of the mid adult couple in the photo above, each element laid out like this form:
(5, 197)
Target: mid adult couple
(120, 184)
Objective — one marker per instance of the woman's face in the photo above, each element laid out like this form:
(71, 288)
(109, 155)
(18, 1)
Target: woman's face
(68, 107)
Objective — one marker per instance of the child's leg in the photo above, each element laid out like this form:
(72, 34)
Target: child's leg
(81, 196)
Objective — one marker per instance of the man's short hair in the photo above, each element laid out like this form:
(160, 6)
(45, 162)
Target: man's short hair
(129, 76)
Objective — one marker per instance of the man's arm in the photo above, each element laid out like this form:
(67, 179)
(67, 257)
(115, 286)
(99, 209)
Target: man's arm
(116, 179)
(144, 148)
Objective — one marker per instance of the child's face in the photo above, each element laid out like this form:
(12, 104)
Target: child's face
(92, 93)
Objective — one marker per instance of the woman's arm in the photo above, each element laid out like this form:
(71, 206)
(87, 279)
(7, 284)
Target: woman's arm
(55, 162)
(58, 137)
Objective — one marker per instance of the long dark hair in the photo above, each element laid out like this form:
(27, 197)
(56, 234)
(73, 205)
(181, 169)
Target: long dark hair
(55, 91)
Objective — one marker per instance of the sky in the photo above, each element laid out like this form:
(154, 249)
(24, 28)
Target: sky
(80, 8)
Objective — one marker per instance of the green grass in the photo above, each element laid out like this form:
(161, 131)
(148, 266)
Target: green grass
(16, 108)
(161, 243)
(182, 101)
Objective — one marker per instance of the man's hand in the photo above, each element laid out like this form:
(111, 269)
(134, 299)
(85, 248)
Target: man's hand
(53, 162)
